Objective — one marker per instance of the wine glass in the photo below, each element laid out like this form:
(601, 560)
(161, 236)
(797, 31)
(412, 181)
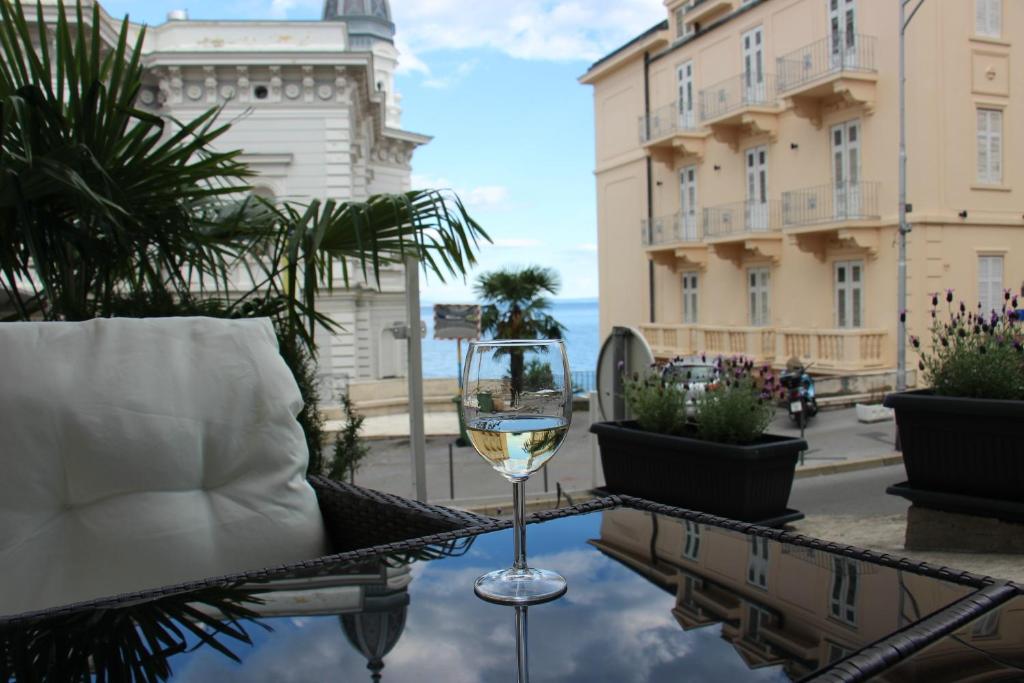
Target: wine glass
(517, 404)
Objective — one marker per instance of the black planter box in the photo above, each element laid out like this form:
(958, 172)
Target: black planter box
(749, 483)
(967, 446)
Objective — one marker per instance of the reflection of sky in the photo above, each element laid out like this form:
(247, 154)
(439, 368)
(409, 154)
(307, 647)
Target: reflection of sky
(613, 625)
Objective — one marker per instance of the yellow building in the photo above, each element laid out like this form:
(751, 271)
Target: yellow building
(747, 174)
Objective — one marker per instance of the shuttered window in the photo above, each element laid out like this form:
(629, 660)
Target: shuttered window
(990, 283)
(988, 18)
(990, 146)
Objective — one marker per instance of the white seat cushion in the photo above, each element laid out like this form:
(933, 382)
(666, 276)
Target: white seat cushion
(140, 453)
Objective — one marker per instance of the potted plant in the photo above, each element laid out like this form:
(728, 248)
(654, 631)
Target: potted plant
(717, 460)
(962, 434)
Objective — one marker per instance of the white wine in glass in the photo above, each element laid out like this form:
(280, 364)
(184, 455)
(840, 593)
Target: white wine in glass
(517, 405)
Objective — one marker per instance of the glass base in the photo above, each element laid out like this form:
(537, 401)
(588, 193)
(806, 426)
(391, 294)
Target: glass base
(520, 586)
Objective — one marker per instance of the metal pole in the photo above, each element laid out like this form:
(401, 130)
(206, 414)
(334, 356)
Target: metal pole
(417, 436)
(451, 474)
(901, 296)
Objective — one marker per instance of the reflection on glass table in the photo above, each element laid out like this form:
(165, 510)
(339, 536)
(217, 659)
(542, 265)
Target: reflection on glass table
(651, 598)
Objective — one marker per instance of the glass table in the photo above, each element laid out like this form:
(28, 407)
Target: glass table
(654, 595)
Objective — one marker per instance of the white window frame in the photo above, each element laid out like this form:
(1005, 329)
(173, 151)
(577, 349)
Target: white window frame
(758, 562)
(988, 18)
(990, 283)
(759, 295)
(688, 201)
(849, 294)
(842, 31)
(691, 297)
(757, 214)
(691, 540)
(680, 22)
(990, 145)
(844, 590)
(845, 139)
(753, 56)
(687, 101)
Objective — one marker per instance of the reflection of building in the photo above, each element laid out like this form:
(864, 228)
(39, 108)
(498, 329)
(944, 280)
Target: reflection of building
(789, 606)
(746, 167)
(314, 109)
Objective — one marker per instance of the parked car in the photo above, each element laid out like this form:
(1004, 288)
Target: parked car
(695, 374)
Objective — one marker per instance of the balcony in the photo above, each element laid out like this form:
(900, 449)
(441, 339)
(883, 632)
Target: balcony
(744, 230)
(705, 11)
(833, 350)
(826, 74)
(674, 241)
(817, 217)
(666, 133)
(740, 106)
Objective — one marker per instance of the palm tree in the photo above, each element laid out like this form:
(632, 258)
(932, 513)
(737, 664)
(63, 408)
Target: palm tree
(516, 308)
(109, 210)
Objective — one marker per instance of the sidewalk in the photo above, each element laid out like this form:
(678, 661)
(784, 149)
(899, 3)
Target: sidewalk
(838, 444)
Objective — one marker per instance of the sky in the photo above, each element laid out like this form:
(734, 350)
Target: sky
(495, 83)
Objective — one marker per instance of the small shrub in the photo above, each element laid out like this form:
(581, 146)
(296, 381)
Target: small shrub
(537, 376)
(975, 354)
(739, 407)
(349, 449)
(656, 405)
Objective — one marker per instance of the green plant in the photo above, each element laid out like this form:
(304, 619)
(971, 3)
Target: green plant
(349, 449)
(656, 405)
(537, 375)
(975, 354)
(739, 406)
(735, 409)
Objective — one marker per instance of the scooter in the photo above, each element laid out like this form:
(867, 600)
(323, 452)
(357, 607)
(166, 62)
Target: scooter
(799, 394)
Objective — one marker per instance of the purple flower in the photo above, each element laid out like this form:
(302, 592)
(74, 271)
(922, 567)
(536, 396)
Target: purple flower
(949, 296)
(920, 365)
(915, 342)
(935, 299)
(963, 308)
(1006, 295)
(903, 316)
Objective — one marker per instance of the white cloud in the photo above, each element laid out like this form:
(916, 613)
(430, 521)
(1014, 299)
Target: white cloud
(558, 30)
(516, 243)
(589, 247)
(492, 197)
(445, 82)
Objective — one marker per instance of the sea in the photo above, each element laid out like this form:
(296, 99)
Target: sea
(578, 316)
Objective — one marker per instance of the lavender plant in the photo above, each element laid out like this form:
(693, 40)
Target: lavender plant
(736, 408)
(975, 354)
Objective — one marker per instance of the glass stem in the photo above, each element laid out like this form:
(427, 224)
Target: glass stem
(521, 645)
(519, 525)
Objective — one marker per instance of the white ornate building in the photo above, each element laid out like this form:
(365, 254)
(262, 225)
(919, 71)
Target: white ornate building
(314, 108)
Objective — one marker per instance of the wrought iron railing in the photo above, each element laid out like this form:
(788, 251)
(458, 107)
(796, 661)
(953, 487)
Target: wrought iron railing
(741, 217)
(670, 229)
(823, 57)
(583, 381)
(830, 203)
(745, 90)
(665, 121)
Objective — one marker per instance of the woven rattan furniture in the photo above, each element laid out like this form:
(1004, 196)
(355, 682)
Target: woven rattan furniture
(655, 594)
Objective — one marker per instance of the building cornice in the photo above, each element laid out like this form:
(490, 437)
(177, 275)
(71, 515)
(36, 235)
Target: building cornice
(651, 38)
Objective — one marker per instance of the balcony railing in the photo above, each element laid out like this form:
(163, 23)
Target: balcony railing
(670, 229)
(741, 218)
(665, 121)
(737, 93)
(830, 204)
(824, 57)
(838, 350)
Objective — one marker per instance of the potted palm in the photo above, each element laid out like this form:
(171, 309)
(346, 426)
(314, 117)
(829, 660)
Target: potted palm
(717, 460)
(961, 435)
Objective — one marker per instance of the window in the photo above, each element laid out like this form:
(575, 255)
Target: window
(684, 81)
(990, 282)
(757, 188)
(849, 293)
(843, 596)
(757, 566)
(688, 202)
(691, 540)
(758, 284)
(690, 298)
(988, 18)
(680, 24)
(990, 146)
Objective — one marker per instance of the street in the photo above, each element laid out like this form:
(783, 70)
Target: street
(833, 436)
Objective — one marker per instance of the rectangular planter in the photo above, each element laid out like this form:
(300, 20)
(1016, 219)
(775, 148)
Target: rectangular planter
(748, 483)
(967, 446)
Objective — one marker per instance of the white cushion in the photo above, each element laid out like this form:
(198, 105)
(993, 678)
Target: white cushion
(140, 453)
